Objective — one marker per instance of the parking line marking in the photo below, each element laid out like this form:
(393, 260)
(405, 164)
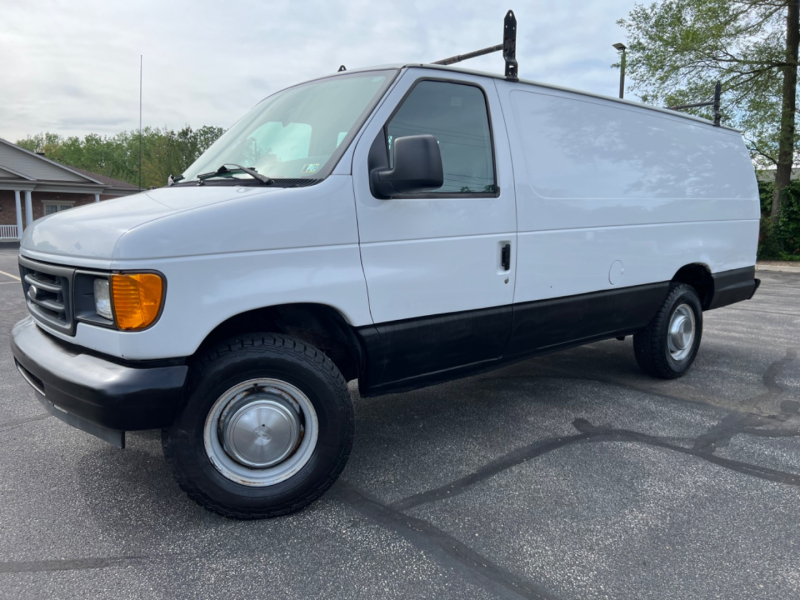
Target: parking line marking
(9, 275)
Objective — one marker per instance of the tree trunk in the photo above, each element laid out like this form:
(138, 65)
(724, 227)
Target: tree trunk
(783, 174)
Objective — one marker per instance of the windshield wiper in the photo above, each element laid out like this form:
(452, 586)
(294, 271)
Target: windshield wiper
(223, 170)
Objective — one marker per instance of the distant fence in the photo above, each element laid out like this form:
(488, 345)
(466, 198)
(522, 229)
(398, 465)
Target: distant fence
(8, 232)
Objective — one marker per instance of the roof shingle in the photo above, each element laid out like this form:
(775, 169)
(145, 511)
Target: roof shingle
(110, 181)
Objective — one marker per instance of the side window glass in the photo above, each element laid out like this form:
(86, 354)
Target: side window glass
(457, 117)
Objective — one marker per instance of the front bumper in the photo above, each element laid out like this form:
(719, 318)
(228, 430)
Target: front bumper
(99, 396)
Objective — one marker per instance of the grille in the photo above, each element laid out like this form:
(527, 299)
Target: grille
(47, 292)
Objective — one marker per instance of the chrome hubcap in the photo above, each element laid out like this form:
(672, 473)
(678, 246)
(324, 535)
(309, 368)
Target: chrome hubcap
(681, 332)
(261, 432)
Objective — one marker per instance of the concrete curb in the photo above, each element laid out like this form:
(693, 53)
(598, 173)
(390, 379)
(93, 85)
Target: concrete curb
(778, 268)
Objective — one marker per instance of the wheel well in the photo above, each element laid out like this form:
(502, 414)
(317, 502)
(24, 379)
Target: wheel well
(699, 277)
(319, 325)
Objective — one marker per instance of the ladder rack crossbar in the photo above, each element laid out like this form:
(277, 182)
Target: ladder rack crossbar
(715, 103)
(468, 55)
(509, 48)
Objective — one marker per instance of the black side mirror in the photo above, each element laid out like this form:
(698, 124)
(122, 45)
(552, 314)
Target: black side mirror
(417, 167)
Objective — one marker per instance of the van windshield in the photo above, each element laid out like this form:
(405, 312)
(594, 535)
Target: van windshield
(298, 133)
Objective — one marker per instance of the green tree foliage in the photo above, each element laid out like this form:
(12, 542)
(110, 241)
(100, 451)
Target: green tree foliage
(781, 241)
(164, 152)
(678, 50)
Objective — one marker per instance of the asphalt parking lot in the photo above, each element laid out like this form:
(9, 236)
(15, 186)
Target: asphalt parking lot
(568, 476)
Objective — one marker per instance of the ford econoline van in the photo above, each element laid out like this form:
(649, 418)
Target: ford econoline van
(398, 226)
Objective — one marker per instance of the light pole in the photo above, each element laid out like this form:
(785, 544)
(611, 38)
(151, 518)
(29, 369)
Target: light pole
(621, 47)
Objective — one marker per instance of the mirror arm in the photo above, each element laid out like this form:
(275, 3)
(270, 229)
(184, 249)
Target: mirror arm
(381, 183)
(378, 161)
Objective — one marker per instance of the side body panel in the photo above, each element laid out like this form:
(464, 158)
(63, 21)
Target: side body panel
(426, 258)
(612, 196)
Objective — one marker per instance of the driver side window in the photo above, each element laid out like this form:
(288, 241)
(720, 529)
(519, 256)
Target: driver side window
(456, 115)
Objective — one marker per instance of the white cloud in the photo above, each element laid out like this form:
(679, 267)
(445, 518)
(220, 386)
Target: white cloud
(73, 68)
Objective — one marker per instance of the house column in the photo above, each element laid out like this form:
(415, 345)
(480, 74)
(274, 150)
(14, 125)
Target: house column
(97, 197)
(28, 209)
(18, 207)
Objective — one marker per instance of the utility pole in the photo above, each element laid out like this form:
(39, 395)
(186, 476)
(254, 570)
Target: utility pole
(141, 63)
(621, 47)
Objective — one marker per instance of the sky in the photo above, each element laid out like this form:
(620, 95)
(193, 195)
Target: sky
(72, 67)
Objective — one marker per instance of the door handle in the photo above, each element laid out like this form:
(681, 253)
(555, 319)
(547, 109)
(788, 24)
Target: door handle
(505, 257)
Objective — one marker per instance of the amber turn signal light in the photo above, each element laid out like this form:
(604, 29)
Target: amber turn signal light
(136, 298)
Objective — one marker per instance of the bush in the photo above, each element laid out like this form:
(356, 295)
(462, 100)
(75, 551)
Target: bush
(781, 242)
(789, 226)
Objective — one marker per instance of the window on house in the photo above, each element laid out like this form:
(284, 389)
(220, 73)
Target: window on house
(51, 207)
(456, 115)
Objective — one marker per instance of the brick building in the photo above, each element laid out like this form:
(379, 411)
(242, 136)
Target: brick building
(32, 186)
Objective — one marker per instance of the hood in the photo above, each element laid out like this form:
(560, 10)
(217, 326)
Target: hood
(176, 222)
(93, 230)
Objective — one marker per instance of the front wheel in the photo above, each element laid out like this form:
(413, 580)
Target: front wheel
(667, 347)
(267, 427)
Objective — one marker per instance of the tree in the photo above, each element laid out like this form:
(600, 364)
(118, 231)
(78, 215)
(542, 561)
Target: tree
(678, 50)
(164, 152)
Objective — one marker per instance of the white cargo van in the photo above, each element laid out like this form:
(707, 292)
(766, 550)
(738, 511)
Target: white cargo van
(400, 226)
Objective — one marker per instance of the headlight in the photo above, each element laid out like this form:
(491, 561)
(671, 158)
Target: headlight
(137, 299)
(102, 299)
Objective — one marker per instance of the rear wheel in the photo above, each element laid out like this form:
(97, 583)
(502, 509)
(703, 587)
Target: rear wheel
(667, 347)
(267, 427)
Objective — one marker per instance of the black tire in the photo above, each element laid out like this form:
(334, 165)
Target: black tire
(651, 345)
(238, 360)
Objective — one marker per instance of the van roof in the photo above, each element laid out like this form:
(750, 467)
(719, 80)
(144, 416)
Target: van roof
(666, 111)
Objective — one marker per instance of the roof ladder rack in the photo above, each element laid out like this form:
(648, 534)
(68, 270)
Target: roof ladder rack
(715, 103)
(509, 48)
